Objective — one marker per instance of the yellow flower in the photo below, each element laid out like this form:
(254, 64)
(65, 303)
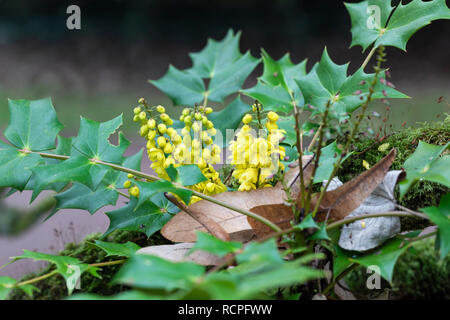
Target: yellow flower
(272, 116)
(134, 191)
(365, 164)
(247, 119)
(151, 123)
(162, 128)
(160, 109)
(127, 184)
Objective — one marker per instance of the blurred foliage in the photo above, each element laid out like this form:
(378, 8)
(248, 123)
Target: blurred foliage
(54, 288)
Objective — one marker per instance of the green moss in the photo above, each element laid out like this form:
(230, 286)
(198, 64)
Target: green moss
(54, 288)
(418, 274)
(422, 194)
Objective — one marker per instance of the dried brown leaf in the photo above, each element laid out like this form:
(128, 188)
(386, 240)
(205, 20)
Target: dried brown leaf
(343, 200)
(183, 228)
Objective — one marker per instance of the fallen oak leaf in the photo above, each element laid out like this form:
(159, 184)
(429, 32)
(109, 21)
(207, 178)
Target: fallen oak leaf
(342, 201)
(183, 228)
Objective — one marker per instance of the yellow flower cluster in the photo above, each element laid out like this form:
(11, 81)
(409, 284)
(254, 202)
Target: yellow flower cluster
(257, 158)
(165, 146)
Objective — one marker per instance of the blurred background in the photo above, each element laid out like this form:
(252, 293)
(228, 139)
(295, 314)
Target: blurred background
(101, 70)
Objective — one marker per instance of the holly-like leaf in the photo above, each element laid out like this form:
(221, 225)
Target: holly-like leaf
(441, 217)
(384, 258)
(220, 62)
(15, 166)
(320, 234)
(371, 22)
(186, 175)
(328, 157)
(70, 268)
(76, 169)
(276, 89)
(79, 196)
(92, 140)
(118, 249)
(182, 87)
(307, 222)
(33, 125)
(149, 189)
(425, 163)
(229, 117)
(328, 81)
(6, 285)
(211, 244)
(149, 217)
(266, 252)
(152, 272)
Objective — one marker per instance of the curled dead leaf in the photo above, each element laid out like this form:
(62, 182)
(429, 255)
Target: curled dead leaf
(343, 200)
(183, 227)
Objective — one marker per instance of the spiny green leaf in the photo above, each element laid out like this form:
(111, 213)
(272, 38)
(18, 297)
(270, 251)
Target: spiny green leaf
(328, 81)
(320, 234)
(92, 140)
(425, 163)
(276, 88)
(441, 217)
(274, 98)
(220, 62)
(186, 175)
(76, 169)
(6, 285)
(211, 244)
(152, 272)
(230, 117)
(149, 217)
(182, 87)
(328, 157)
(266, 251)
(33, 124)
(384, 258)
(149, 189)
(80, 196)
(15, 166)
(118, 249)
(69, 267)
(404, 22)
(308, 222)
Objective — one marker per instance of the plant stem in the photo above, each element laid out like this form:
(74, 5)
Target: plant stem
(355, 127)
(108, 263)
(153, 178)
(369, 56)
(45, 276)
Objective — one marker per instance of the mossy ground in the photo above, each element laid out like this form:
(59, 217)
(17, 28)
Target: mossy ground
(418, 273)
(54, 288)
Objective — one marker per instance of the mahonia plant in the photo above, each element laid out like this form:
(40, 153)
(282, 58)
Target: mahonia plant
(166, 147)
(87, 171)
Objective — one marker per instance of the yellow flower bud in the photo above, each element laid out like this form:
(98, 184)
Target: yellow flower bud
(151, 123)
(198, 116)
(272, 116)
(247, 119)
(182, 118)
(209, 125)
(208, 110)
(127, 184)
(141, 101)
(160, 109)
(186, 111)
(136, 118)
(142, 115)
(196, 127)
(366, 164)
(161, 142)
(130, 176)
(151, 135)
(137, 110)
(144, 130)
(162, 128)
(164, 116)
(168, 148)
(188, 120)
(134, 191)
(169, 122)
